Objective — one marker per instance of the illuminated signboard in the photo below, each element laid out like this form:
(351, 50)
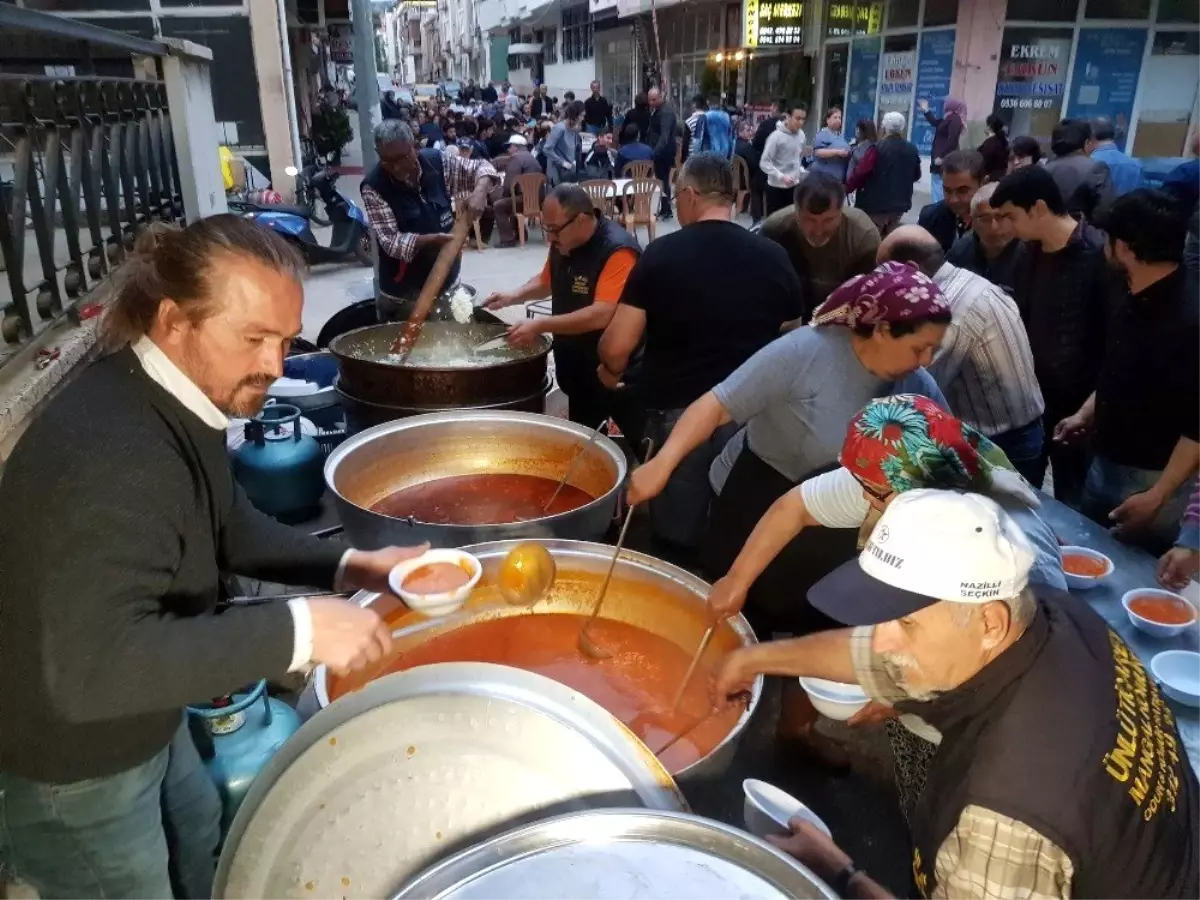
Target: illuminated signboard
(773, 23)
(844, 18)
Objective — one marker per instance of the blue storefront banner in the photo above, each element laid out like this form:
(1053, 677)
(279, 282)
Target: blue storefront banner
(935, 65)
(864, 81)
(1105, 78)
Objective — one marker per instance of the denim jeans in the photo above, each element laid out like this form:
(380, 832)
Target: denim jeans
(679, 515)
(150, 831)
(1023, 447)
(936, 194)
(1109, 484)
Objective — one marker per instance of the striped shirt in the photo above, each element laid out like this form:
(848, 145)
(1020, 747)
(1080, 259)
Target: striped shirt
(986, 854)
(462, 175)
(985, 365)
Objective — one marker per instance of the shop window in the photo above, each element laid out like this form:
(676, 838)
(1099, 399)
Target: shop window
(944, 12)
(1043, 10)
(903, 13)
(1031, 80)
(1118, 9)
(1178, 11)
(1168, 97)
(550, 46)
(837, 64)
(577, 34)
(733, 25)
(898, 76)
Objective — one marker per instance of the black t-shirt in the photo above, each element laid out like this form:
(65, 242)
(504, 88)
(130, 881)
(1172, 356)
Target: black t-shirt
(714, 295)
(1148, 392)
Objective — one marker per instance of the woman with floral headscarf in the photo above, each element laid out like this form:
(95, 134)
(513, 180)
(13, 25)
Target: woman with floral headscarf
(896, 444)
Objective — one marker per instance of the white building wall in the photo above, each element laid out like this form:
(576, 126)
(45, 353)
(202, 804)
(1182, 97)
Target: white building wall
(572, 76)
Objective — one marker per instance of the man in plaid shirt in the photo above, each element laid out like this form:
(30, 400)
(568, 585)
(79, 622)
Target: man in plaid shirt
(410, 197)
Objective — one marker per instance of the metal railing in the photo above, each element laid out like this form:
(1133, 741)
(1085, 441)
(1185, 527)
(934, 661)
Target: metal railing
(86, 162)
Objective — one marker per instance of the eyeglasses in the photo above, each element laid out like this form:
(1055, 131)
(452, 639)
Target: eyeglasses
(879, 495)
(559, 229)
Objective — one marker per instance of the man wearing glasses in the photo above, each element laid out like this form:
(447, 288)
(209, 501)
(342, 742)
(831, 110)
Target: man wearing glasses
(589, 261)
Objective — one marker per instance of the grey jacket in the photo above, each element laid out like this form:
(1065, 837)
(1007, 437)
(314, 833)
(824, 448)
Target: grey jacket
(1085, 184)
(781, 156)
(562, 154)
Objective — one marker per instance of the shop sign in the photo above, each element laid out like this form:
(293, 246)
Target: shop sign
(935, 65)
(847, 19)
(1033, 76)
(757, 113)
(864, 80)
(341, 44)
(896, 83)
(1107, 64)
(773, 23)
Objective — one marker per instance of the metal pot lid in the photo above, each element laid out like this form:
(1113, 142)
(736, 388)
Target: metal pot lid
(619, 853)
(442, 346)
(419, 764)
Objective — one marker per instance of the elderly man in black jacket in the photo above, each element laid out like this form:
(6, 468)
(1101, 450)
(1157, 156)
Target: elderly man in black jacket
(662, 138)
(121, 516)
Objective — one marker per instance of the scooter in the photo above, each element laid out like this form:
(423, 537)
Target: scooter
(351, 235)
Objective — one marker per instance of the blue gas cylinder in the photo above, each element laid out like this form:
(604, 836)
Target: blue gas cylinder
(245, 731)
(281, 470)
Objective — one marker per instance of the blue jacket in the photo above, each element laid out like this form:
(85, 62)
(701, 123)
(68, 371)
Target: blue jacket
(1124, 171)
(717, 136)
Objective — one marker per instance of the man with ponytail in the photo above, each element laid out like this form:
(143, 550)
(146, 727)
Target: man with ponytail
(120, 515)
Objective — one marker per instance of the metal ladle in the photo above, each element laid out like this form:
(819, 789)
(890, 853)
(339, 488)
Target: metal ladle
(526, 574)
(579, 451)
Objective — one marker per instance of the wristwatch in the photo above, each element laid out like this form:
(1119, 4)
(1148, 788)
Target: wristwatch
(841, 881)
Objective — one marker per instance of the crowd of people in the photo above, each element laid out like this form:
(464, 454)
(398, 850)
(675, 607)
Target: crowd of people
(1039, 320)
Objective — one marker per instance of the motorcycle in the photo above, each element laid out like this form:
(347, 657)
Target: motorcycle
(351, 235)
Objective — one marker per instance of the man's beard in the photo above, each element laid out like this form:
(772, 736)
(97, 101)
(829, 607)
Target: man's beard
(247, 397)
(897, 665)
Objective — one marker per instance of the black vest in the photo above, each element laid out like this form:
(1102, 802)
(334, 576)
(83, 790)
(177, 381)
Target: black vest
(889, 187)
(1067, 733)
(573, 280)
(419, 210)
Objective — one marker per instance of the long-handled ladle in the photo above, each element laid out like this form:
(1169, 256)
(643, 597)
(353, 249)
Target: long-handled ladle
(586, 645)
(579, 451)
(691, 669)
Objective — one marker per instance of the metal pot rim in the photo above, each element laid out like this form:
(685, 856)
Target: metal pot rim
(347, 447)
(545, 342)
(693, 583)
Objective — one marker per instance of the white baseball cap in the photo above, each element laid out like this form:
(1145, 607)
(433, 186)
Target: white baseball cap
(928, 546)
(518, 140)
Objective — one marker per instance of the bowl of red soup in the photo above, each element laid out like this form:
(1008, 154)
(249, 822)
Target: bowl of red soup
(1084, 568)
(436, 583)
(1158, 613)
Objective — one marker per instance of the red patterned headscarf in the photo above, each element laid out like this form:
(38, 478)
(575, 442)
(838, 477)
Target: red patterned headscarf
(893, 292)
(906, 441)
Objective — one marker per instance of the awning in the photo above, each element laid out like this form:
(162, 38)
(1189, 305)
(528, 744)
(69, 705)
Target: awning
(532, 49)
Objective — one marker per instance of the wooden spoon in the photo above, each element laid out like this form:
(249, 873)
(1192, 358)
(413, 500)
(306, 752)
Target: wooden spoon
(411, 330)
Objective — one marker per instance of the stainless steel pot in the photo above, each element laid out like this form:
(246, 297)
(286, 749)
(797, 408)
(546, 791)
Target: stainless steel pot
(645, 591)
(384, 459)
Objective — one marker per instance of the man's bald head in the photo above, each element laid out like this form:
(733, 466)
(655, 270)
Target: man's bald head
(654, 97)
(912, 244)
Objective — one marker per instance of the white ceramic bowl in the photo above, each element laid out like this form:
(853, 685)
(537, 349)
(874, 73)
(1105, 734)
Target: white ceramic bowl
(768, 810)
(1083, 582)
(1151, 627)
(1178, 673)
(834, 699)
(436, 604)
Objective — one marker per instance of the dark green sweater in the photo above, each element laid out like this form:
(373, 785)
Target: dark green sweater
(118, 512)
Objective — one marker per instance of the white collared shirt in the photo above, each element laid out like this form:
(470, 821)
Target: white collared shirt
(175, 382)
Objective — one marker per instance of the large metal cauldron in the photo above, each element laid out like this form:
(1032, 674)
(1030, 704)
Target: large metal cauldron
(647, 592)
(441, 372)
(377, 462)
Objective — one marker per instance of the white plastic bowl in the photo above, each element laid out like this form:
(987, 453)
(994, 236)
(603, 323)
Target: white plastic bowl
(768, 810)
(1151, 627)
(1178, 673)
(440, 604)
(1083, 582)
(834, 699)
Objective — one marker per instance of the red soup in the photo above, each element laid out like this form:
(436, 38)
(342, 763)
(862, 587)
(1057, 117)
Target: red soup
(436, 578)
(1087, 566)
(1163, 610)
